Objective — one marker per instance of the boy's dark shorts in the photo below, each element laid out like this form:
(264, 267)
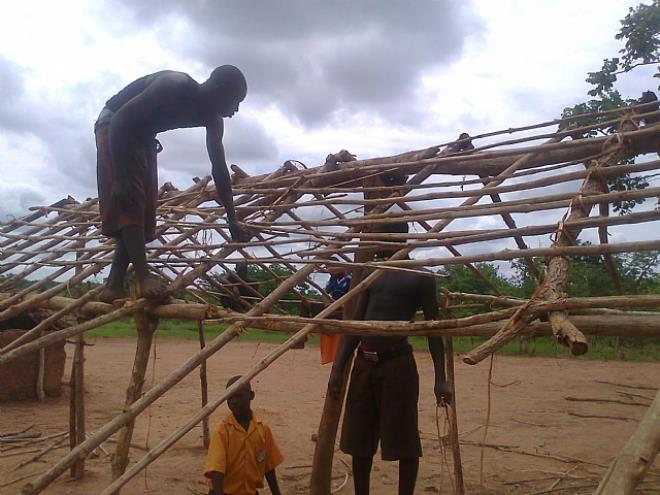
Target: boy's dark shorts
(142, 183)
(382, 404)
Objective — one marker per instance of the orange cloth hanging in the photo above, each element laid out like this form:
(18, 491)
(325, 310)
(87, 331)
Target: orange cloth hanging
(329, 345)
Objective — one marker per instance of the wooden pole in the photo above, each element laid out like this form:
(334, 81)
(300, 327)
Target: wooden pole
(77, 405)
(482, 163)
(72, 413)
(628, 469)
(453, 417)
(77, 402)
(324, 450)
(59, 313)
(61, 335)
(204, 385)
(146, 326)
(459, 484)
(41, 374)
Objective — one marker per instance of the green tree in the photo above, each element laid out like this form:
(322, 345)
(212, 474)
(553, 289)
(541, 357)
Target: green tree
(640, 272)
(461, 279)
(641, 46)
(266, 281)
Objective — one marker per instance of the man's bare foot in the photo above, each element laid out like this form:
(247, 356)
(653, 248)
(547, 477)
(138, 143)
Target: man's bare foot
(151, 288)
(111, 294)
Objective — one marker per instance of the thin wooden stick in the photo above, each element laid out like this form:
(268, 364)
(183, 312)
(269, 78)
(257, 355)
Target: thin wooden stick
(453, 418)
(78, 469)
(20, 478)
(598, 416)
(204, 386)
(41, 453)
(16, 433)
(604, 401)
(146, 326)
(627, 385)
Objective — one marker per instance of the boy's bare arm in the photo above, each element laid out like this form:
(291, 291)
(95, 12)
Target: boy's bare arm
(436, 344)
(217, 480)
(271, 478)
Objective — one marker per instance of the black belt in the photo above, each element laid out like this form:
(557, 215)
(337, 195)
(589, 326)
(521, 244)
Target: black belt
(384, 355)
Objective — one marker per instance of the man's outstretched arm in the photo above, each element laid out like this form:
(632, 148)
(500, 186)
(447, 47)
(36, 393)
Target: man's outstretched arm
(214, 134)
(436, 344)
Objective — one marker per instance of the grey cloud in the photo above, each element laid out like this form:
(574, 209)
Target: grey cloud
(246, 142)
(312, 57)
(14, 107)
(63, 125)
(16, 199)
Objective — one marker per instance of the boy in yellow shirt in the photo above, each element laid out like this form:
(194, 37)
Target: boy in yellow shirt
(242, 450)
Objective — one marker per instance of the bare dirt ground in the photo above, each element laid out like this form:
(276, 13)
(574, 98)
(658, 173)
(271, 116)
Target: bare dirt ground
(530, 414)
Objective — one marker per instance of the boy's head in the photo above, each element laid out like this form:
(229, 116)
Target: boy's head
(224, 90)
(239, 401)
(390, 228)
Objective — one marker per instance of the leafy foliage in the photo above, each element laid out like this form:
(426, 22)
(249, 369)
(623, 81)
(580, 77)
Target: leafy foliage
(265, 281)
(640, 31)
(588, 277)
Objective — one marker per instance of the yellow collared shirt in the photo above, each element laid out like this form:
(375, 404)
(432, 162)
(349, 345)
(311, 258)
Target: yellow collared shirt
(243, 457)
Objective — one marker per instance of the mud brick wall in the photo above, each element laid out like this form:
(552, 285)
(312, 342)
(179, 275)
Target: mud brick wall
(18, 379)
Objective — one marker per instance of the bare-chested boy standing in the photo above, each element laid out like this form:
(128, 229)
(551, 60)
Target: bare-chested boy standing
(384, 388)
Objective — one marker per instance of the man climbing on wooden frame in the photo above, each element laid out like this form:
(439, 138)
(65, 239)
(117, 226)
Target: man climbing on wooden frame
(384, 387)
(126, 160)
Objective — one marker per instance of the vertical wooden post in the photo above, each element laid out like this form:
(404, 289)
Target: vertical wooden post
(41, 371)
(204, 385)
(324, 450)
(77, 431)
(451, 411)
(72, 413)
(78, 401)
(453, 417)
(146, 326)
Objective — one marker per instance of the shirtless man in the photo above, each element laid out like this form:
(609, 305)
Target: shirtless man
(126, 160)
(384, 386)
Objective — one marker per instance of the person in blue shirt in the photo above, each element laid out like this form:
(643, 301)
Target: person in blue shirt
(337, 286)
(339, 283)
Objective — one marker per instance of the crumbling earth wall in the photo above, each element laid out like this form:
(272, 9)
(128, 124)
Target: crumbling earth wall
(18, 379)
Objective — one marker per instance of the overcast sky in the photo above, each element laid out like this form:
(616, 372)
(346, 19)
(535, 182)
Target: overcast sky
(376, 77)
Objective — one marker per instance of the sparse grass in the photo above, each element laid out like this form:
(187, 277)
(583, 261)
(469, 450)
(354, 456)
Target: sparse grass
(187, 330)
(599, 348)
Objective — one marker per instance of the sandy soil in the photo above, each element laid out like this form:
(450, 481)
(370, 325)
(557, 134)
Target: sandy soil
(529, 413)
